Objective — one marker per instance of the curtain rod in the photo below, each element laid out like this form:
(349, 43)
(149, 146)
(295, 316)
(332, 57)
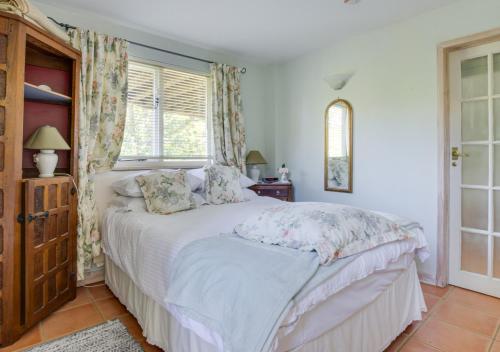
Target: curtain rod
(68, 26)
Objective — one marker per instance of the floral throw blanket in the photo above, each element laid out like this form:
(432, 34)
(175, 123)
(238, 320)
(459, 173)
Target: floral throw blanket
(332, 230)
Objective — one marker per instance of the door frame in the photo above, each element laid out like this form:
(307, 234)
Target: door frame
(443, 52)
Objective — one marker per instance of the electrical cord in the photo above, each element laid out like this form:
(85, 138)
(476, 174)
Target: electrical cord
(72, 180)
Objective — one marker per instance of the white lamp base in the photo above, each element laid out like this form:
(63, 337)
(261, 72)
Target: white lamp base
(46, 162)
(255, 173)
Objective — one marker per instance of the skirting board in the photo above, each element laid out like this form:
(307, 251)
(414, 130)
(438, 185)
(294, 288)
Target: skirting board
(92, 277)
(427, 278)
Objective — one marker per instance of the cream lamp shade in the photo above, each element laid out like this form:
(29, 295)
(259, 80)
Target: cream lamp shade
(254, 158)
(47, 139)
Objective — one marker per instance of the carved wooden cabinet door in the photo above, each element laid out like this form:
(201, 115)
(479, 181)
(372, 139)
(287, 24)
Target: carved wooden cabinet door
(49, 243)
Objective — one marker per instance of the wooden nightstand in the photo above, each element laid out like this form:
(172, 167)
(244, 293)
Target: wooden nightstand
(282, 191)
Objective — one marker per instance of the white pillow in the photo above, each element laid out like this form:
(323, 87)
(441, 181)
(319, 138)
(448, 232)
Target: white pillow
(139, 204)
(248, 194)
(245, 181)
(129, 203)
(128, 186)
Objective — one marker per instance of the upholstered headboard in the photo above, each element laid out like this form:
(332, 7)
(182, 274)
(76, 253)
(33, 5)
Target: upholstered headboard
(103, 190)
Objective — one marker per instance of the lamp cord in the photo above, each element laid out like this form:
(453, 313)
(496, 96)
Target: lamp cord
(72, 179)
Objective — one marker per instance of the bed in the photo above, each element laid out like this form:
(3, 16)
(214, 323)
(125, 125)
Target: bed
(344, 313)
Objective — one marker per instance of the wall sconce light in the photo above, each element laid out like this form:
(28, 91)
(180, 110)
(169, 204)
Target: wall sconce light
(339, 80)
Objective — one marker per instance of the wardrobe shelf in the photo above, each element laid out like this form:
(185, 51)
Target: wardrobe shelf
(32, 92)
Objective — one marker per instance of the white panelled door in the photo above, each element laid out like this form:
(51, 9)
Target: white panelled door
(475, 168)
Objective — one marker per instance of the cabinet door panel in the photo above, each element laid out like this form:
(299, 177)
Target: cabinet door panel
(49, 246)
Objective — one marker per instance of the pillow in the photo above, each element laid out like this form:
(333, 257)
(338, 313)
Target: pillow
(129, 203)
(245, 181)
(138, 205)
(128, 186)
(248, 194)
(222, 185)
(166, 192)
(332, 230)
(198, 198)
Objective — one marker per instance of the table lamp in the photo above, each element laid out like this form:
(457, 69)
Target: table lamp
(254, 158)
(47, 139)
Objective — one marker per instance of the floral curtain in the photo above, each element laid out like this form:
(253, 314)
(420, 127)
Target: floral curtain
(228, 122)
(103, 103)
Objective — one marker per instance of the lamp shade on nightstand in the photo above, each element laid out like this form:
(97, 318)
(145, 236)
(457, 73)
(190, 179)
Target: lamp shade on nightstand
(47, 139)
(255, 158)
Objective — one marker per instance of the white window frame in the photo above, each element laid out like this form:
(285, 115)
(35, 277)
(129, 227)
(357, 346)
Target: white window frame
(150, 164)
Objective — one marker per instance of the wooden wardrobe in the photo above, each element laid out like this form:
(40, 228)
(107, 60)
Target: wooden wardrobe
(37, 215)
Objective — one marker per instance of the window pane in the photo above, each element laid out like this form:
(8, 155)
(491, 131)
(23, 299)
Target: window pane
(166, 114)
(184, 108)
(496, 257)
(140, 138)
(475, 167)
(475, 121)
(496, 210)
(474, 253)
(475, 209)
(475, 77)
(496, 73)
(496, 119)
(496, 166)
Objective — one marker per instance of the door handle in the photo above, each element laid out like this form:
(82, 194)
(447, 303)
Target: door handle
(32, 217)
(455, 154)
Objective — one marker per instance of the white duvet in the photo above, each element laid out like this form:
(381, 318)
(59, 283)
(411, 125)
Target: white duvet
(145, 245)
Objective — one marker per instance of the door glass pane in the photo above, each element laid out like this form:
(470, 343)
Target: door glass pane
(475, 121)
(496, 73)
(475, 165)
(496, 257)
(475, 77)
(475, 209)
(474, 253)
(496, 162)
(496, 119)
(496, 210)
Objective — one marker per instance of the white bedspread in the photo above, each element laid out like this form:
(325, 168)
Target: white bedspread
(144, 246)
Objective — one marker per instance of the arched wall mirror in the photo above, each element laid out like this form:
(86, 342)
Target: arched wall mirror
(338, 146)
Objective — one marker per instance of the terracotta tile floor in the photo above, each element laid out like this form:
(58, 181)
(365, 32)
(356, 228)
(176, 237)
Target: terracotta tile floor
(458, 320)
(92, 306)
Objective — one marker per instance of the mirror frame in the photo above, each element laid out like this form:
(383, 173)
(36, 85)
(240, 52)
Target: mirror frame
(350, 133)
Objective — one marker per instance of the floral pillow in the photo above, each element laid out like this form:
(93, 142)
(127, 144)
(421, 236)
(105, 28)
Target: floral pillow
(166, 192)
(332, 230)
(222, 185)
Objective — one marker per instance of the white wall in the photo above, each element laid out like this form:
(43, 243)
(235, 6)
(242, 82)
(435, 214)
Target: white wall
(394, 97)
(255, 83)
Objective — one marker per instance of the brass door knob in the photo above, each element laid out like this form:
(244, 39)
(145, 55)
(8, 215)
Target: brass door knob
(455, 154)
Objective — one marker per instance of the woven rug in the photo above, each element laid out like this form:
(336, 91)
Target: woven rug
(111, 336)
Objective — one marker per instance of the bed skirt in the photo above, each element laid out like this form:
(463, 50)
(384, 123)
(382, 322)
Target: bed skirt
(372, 329)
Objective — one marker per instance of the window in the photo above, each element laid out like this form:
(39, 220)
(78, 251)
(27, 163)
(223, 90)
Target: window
(167, 115)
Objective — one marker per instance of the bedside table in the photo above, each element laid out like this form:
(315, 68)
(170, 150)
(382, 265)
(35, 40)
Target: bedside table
(282, 191)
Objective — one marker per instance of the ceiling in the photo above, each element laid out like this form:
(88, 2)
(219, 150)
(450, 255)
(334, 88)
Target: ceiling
(263, 30)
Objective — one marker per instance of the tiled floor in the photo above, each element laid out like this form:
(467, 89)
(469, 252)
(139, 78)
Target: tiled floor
(92, 306)
(458, 321)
